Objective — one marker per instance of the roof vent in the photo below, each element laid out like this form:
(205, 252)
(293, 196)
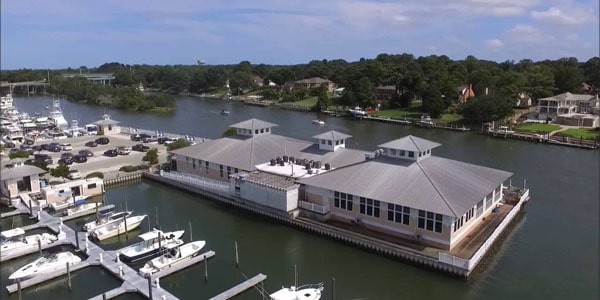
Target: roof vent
(273, 162)
(327, 166)
(286, 158)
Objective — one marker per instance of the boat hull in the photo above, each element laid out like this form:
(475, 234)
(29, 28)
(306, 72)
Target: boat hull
(31, 270)
(186, 252)
(116, 229)
(145, 250)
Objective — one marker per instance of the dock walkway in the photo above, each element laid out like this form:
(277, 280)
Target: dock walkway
(234, 291)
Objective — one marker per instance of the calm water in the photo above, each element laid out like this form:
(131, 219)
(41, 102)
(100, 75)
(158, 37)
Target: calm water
(552, 252)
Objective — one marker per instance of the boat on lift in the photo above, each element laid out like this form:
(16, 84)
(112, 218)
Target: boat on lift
(106, 217)
(71, 201)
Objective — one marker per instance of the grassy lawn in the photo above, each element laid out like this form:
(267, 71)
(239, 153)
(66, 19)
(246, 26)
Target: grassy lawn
(414, 111)
(308, 102)
(536, 127)
(219, 92)
(448, 118)
(580, 132)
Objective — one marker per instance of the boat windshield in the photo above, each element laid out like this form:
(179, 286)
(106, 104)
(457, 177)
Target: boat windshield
(41, 261)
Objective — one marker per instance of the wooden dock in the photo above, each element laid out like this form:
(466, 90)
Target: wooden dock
(232, 292)
(180, 266)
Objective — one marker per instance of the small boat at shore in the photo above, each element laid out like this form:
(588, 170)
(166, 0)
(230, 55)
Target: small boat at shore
(305, 292)
(318, 122)
(15, 239)
(117, 228)
(153, 242)
(105, 218)
(45, 265)
(225, 112)
(172, 257)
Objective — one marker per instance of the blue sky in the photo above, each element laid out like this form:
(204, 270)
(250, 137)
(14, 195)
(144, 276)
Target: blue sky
(73, 33)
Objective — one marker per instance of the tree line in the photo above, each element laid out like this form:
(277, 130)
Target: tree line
(432, 79)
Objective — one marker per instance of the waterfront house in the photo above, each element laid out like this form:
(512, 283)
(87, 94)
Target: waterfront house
(523, 100)
(570, 109)
(84, 187)
(464, 93)
(314, 82)
(19, 178)
(385, 92)
(404, 191)
(254, 144)
(107, 125)
(257, 80)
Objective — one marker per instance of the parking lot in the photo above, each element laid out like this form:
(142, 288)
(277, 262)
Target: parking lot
(99, 162)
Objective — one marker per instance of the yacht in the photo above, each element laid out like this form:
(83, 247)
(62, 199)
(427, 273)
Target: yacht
(16, 239)
(6, 102)
(152, 243)
(357, 112)
(105, 218)
(117, 228)
(55, 116)
(72, 201)
(45, 265)
(305, 292)
(172, 257)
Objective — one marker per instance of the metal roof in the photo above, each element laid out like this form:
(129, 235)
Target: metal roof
(253, 124)
(434, 184)
(570, 97)
(245, 152)
(332, 135)
(106, 122)
(269, 180)
(19, 172)
(411, 143)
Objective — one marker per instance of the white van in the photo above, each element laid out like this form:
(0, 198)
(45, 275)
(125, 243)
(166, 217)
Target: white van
(67, 147)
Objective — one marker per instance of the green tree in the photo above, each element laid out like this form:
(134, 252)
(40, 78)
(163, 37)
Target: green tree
(228, 132)
(240, 81)
(60, 171)
(488, 108)
(364, 92)
(19, 154)
(244, 67)
(511, 83)
(180, 143)
(591, 71)
(540, 81)
(151, 156)
(323, 100)
(567, 75)
(432, 101)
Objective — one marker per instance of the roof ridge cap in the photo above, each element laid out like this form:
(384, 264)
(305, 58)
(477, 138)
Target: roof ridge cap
(436, 188)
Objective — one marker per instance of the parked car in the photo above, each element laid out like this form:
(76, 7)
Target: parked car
(102, 141)
(139, 136)
(111, 153)
(163, 139)
(54, 148)
(44, 146)
(123, 150)
(66, 155)
(86, 153)
(91, 144)
(37, 148)
(150, 139)
(80, 159)
(74, 174)
(140, 148)
(43, 157)
(66, 161)
(9, 145)
(67, 147)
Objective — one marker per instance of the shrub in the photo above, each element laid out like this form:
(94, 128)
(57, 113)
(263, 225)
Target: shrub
(129, 168)
(95, 174)
(19, 154)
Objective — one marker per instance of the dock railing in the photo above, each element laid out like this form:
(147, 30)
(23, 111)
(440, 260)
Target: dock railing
(470, 264)
(314, 207)
(132, 131)
(209, 185)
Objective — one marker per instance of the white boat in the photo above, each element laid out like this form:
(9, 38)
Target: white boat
(6, 102)
(16, 239)
(172, 257)
(80, 208)
(153, 242)
(55, 116)
(141, 87)
(225, 112)
(106, 218)
(77, 200)
(318, 122)
(504, 130)
(357, 112)
(45, 265)
(117, 228)
(305, 292)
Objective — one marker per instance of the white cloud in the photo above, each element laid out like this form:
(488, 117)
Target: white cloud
(527, 34)
(565, 16)
(494, 43)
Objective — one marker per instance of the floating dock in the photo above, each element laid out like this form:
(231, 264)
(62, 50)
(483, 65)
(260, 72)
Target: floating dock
(180, 266)
(234, 291)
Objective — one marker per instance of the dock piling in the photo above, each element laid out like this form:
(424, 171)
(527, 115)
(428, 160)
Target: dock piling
(87, 247)
(19, 287)
(121, 270)
(191, 240)
(295, 276)
(149, 287)
(333, 288)
(40, 246)
(205, 269)
(237, 258)
(69, 275)
(157, 283)
(30, 209)
(125, 221)
(77, 239)
(156, 216)
(117, 258)
(103, 296)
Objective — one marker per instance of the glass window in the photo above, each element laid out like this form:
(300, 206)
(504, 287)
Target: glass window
(393, 151)
(369, 207)
(329, 142)
(402, 152)
(343, 201)
(91, 186)
(267, 129)
(399, 214)
(411, 154)
(323, 142)
(262, 130)
(430, 221)
(256, 131)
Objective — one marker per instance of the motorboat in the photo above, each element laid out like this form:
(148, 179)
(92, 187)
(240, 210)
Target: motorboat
(117, 228)
(16, 239)
(357, 112)
(318, 122)
(172, 257)
(305, 292)
(6, 102)
(153, 242)
(72, 201)
(81, 208)
(225, 112)
(504, 130)
(106, 218)
(45, 265)
(55, 115)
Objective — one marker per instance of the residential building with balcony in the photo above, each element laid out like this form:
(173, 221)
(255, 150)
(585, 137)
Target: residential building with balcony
(570, 109)
(314, 82)
(385, 92)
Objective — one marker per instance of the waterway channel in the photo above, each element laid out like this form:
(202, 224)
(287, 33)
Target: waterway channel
(551, 253)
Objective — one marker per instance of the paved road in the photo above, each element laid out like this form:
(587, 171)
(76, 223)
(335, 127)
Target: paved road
(99, 162)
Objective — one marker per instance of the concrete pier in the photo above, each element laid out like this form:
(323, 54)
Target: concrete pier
(180, 266)
(232, 292)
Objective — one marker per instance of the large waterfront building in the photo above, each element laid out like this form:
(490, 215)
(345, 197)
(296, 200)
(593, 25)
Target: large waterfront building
(400, 190)
(570, 109)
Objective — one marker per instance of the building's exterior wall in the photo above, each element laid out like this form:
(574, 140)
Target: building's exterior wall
(406, 154)
(11, 189)
(110, 129)
(198, 167)
(283, 200)
(90, 187)
(332, 145)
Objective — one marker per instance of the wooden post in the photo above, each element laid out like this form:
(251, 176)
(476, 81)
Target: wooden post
(155, 217)
(96, 209)
(19, 287)
(125, 220)
(40, 246)
(69, 275)
(159, 241)
(205, 269)
(149, 287)
(191, 239)
(237, 258)
(77, 239)
(30, 208)
(103, 296)
(295, 276)
(333, 288)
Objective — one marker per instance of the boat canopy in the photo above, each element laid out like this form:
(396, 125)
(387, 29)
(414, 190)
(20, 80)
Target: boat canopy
(107, 209)
(12, 233)
(151, 235)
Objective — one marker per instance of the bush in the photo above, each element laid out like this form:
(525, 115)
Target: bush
(151, 156)
(60, 171)
(19, 154)
(180, 143)
(95, 174)
(129, 168)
